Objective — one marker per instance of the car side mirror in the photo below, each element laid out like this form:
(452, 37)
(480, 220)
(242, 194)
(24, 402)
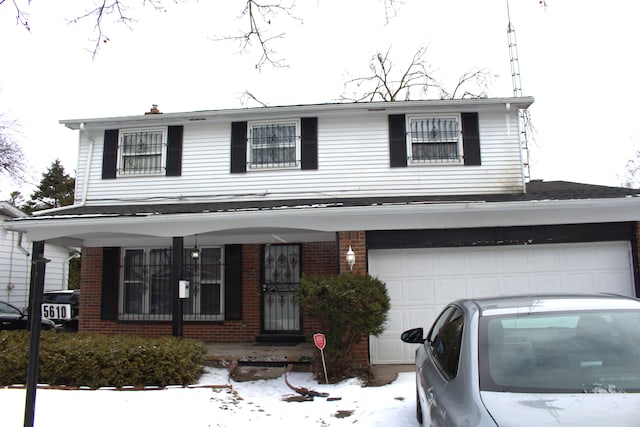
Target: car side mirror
(413, 336)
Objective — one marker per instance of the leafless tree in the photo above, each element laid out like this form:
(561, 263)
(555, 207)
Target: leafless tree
(12, 160)
(22, 18)
(258, 19)
(119, 9)
(248, 97)
(387, 83)
(632, 172)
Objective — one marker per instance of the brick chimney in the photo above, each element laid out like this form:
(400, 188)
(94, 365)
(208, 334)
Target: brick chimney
(154, 110)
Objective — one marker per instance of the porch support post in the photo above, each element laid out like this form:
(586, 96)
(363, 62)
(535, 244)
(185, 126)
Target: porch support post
(176, 276)
(36, 287)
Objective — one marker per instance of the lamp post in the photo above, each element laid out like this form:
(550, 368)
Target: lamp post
(38, 262)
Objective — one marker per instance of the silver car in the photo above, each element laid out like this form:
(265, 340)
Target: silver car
(545, 360)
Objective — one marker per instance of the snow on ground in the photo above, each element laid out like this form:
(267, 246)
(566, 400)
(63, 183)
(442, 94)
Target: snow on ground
(244, 402)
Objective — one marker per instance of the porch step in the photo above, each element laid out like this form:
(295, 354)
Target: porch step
(258, 354)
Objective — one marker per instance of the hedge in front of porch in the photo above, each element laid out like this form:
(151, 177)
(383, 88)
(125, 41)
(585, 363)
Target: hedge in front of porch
(97, 360)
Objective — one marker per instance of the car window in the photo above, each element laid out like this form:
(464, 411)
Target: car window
(8, 309)
(445, 340)
(577, 352)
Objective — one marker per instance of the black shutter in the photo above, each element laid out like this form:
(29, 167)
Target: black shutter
(397, 140)
(110, 283)
(238, 147)
(174, 150)
(109, 154)
(233, 282)
(471, 139)
(309, 142)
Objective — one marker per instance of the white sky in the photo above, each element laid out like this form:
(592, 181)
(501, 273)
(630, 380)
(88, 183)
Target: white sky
(577, 58)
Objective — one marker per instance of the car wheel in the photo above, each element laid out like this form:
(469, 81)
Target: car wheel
(418, 408)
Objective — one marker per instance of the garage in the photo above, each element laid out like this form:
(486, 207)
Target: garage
(421, 282)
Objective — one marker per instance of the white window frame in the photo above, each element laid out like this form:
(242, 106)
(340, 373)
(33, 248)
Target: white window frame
(161, 170)
(459, 159)
(252, 166)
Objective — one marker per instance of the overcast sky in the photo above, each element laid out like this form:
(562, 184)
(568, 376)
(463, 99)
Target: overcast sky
(578, 58)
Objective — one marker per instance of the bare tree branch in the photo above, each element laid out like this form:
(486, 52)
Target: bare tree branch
(482, 79)
(258, 17)
(22, 18)
(105, 8)
(391, 8)
(12, 160)
(247, 96)
(632, 172)
(385, 84)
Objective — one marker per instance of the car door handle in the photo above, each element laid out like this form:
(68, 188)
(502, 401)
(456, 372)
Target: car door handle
(429, 394)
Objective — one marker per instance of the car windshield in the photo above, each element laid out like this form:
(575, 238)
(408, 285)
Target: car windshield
(571, 352)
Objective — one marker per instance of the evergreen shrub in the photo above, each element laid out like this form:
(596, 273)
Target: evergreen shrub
(348, 307)
(97, 360)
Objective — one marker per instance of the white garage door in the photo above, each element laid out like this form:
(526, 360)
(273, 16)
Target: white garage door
(420, 282)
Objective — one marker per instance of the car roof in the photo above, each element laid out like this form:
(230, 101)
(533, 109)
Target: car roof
(551, 302)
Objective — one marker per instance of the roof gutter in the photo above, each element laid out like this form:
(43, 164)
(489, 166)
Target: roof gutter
(297, 110)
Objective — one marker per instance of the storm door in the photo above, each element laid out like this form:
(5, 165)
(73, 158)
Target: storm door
(281, 266)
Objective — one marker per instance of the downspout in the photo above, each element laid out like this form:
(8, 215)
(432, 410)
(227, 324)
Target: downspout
(85, 185)
(19, 244)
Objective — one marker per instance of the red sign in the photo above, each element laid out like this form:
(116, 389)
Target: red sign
(320, 341)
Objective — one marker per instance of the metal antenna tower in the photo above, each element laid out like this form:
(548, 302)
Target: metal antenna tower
(523, 115)
(513, 57)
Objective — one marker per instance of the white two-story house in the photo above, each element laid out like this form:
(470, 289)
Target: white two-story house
(429, 195)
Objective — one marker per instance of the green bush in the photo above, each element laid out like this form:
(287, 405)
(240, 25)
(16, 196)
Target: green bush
(96, 360)
(348, 307)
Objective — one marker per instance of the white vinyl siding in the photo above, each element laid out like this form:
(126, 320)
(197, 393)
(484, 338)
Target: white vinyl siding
(15, 269)
(353, 161)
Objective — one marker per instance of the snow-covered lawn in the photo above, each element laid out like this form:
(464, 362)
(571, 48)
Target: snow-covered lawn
(261, 402)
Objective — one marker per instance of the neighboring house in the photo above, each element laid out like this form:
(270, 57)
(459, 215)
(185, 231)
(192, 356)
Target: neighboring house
(15, 262)
(431, 196)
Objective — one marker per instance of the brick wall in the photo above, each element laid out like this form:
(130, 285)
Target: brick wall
(357, 241)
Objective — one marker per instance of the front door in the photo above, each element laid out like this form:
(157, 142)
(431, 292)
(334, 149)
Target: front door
(281, 266)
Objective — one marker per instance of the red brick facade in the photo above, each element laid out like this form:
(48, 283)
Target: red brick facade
(318, 258)
(358, 243)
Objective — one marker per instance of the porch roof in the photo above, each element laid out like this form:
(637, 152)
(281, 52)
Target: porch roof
(553, 202)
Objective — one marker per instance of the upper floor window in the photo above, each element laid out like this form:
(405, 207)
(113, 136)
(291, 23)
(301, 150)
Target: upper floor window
(435, 139)
(142, 152)
(274, 145)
